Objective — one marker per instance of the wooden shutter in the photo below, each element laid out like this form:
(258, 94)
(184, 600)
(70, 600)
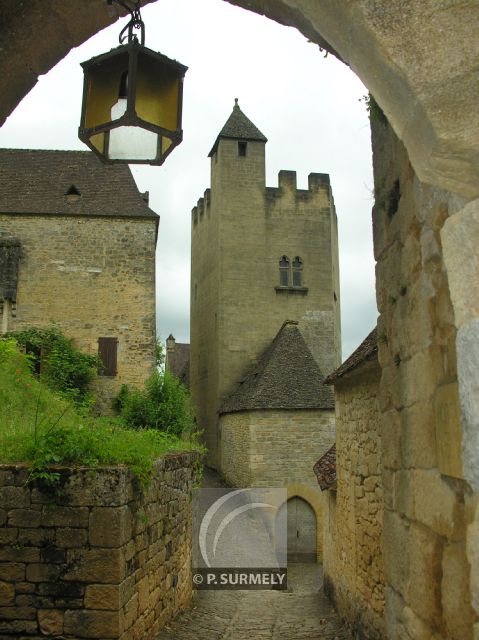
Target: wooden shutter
(107, 350)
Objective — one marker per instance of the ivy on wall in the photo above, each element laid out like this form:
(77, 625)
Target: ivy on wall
(60, 365)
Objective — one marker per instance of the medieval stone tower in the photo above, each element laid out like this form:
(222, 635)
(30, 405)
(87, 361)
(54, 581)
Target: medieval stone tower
(260, 256)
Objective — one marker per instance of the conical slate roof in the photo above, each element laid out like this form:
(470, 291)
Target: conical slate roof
(238, 127)
(286, 377)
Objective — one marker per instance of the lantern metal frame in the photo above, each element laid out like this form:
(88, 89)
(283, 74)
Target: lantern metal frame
(136, 21)
(132, 49)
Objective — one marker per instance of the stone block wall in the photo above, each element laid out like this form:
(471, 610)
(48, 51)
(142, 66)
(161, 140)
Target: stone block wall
(276, 448)
(353, 521)
(237, 306)
(92, 277)
(103, 559)
(431, 554)
(273, 447)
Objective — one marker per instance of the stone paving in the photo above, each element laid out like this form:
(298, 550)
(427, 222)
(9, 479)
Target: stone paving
(300, 613)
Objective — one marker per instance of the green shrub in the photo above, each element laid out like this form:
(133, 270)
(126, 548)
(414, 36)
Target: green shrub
(64, 368)
(164, 405)
(8, 350)
(44, 430)
(135, 407)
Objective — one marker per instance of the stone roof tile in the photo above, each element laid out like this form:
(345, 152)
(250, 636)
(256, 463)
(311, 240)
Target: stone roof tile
(285, 377)
(238, 127)
(325, 469)
(367, 351)
(77, 183)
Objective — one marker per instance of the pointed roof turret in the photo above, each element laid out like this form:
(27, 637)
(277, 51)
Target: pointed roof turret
(238, 127)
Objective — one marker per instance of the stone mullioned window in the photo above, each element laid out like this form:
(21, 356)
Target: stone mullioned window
(291, 275)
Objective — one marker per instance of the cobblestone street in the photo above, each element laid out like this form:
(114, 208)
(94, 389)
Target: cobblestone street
(301, 613)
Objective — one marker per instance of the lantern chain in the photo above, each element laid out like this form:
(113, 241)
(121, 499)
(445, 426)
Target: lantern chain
(136, 22)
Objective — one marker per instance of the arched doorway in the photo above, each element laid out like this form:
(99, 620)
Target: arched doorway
(428, 97)
(302, 530)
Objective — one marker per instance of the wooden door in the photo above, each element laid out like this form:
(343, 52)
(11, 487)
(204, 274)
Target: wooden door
(301, 531)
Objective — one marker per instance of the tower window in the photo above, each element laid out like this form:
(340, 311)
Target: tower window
(242, 148)
(284, 272)
(297, 272)
(107, 350)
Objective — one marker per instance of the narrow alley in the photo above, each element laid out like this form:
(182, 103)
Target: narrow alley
(301, 613)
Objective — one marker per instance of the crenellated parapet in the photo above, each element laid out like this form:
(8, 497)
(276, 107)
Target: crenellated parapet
(202, 207)
(318, 191)
(259, 256)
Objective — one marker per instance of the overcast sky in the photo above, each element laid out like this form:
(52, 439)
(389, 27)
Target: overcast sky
(308, 106)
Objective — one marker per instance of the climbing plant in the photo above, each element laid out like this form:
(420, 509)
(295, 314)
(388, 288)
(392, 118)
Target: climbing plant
(61, 366)
(374, 110)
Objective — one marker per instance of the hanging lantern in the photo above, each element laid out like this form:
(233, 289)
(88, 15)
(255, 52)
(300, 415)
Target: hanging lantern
(132, 101)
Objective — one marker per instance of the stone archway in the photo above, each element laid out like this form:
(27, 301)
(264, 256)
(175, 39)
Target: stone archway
(420, 62)
(302, 530)
(427, 92)
(314, 500)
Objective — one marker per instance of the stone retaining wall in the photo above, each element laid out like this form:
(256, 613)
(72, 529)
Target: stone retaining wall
(101, 560)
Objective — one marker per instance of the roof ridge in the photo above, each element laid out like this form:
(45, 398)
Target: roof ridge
(31, 150)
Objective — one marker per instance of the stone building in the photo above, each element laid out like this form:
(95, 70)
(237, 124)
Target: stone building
(177, 359)
(420, 62)
(353, 518)
(77, 250)
(269, 424)
(262, 256)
